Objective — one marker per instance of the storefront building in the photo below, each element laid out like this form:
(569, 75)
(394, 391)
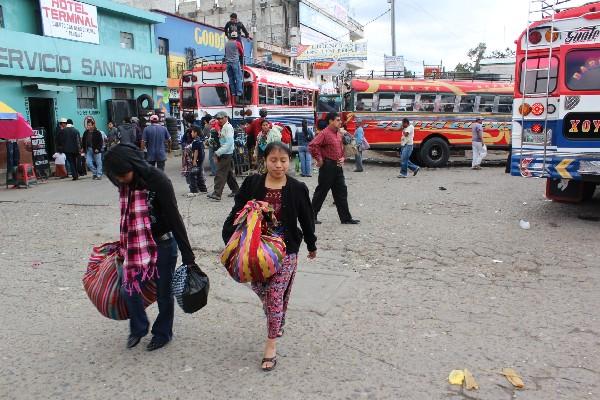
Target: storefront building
(182, 41)
(64, 58)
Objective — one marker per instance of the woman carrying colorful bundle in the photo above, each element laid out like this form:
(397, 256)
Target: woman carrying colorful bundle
(290, 200)
(151, 230)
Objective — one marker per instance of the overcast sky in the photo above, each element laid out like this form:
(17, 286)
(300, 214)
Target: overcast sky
(441, 30)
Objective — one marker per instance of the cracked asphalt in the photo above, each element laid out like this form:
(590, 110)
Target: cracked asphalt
(441, 280)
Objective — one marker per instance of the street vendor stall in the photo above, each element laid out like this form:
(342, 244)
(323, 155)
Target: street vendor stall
(12, 128)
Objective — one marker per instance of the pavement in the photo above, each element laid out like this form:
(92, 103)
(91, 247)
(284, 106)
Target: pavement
(430, 281)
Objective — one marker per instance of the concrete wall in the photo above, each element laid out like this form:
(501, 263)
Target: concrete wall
(164, 5)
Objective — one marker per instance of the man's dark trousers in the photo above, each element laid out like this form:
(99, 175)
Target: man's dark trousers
(331, 176)
(225, 175)
(72, 158)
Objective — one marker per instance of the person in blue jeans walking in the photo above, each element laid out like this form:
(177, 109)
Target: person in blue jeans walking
(407, 143)
(92, 144)
(303, 138)
(359, 137)
(233, 52)
(128, 170)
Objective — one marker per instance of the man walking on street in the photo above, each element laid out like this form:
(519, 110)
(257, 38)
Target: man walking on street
(92, 144)
(478, 146)
(359, 137)
(127, 132)
(233, 52)
(327, 149)
(154, 139)
(112, 135)
(72, 147)
(406, 149)
(224, 157)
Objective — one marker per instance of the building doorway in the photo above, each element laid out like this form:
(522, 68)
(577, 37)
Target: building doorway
(41, 112)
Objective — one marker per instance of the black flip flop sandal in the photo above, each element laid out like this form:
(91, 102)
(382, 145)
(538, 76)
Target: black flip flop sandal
(268, 360)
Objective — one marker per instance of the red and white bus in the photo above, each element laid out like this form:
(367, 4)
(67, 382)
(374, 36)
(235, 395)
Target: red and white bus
(442, 112)
(288, 99)
(556, 121)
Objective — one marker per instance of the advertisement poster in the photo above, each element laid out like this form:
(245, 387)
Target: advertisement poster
(40, 154)
(332, 51)
(69, 19)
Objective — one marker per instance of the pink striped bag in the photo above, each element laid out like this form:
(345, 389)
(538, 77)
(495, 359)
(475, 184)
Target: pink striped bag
(102, 283)
(250, 254)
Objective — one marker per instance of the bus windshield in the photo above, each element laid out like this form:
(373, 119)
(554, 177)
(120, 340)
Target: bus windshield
(329, 104)
(213, 96)
(188, 98)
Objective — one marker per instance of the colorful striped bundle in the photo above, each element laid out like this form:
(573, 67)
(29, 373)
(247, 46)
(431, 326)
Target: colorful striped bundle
(102, 283)
(250, 255)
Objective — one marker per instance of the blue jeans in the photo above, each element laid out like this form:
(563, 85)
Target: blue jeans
(162, 330)
(305, 160)
(405, 163)
(234, 73)
(92, 158)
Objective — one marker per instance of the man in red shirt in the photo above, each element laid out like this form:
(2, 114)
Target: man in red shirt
(327, 148)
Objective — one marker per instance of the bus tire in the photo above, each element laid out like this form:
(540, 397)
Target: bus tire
(435, 153)
(149, 103)
(589, 188)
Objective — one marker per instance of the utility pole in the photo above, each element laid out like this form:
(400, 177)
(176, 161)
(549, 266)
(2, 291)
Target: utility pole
(393, 18)
(253, 29)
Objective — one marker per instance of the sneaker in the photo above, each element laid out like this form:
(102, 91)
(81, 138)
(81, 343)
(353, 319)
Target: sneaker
(191, 194)
(351, 222)
(214, 197)
(99, 178)
(402, 176)
(416, 171)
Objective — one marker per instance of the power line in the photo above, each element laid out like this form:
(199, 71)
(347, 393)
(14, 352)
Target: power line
(365, 24)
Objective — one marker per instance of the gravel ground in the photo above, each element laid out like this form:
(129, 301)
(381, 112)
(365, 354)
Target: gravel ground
(435, 280)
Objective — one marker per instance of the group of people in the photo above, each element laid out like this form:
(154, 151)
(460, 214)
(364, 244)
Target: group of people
(72, 147)
(142, 186)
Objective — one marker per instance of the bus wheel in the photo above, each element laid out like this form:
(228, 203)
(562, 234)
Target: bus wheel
(588, 190)
(435, 153)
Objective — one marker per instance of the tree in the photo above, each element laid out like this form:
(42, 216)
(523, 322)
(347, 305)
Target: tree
(475, 55)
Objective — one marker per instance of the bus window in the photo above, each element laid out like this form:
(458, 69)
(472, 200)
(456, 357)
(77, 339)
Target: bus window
(364, 102)
(286, 96)
(386, 102)
(293, 96)
(188, 98)
(486, 103)
(213, 96)
(278, 96)
(538, 80)
(407, 102)
(582, 69)
(262, 94)
(305, 95)
(467, 103)
(329, 103)
(270, 95)
(505, 104)
(427, 102)
(446, 103)
(311, 98)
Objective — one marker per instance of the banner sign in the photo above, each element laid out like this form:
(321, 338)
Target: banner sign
(329, 68)
(70, 19)
(394, 63)
(332, 51)
(40, 154)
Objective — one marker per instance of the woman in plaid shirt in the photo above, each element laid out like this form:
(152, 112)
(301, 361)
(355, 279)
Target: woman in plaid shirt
(151, 231)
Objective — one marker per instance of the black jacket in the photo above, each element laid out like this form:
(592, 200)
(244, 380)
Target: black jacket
(92, 139)
(235, 27)
(295, 208)
(71, 140)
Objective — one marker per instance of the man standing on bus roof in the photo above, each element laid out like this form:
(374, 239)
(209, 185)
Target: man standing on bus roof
(478, 145)
(233, 52)
(406, 149)
(327, 148)
(235, 26)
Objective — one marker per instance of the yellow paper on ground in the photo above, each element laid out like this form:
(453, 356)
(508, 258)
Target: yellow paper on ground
(513, 377)
(456, 377)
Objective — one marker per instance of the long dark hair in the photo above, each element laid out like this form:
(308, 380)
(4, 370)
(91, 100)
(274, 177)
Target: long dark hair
(271, 147)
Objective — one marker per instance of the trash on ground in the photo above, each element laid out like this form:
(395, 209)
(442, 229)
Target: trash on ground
(470, 382)
(513, 377)
(456, 377)
(442, 188)
(524, 224)
(497, 261)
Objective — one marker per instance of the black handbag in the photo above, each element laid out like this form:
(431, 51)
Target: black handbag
(195, 291)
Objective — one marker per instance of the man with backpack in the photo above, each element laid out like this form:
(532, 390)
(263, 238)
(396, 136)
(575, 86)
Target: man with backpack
(235, 26)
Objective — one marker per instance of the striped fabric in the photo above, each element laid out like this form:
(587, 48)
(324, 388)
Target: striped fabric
(102, 283)
(250, 255)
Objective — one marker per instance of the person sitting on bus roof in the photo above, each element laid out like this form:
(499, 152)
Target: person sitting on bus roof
(235, 26)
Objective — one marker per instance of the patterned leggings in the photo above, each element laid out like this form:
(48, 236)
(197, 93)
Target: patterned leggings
(275, 294)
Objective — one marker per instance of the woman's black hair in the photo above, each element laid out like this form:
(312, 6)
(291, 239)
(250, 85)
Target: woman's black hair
(265, 120)
(196, 129)
(278, 146)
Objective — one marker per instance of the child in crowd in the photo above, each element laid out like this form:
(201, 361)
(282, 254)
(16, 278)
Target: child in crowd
(196, 154)
(60, 160)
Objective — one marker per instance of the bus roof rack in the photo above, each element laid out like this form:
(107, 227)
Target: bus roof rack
(250, 62)
(455, 76)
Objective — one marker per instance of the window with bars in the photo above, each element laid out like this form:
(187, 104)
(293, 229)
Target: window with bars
(122, 93)
(1, 18)
(86, 98)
